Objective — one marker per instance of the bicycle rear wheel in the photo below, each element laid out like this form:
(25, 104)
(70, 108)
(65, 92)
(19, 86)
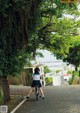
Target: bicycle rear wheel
(36, 93)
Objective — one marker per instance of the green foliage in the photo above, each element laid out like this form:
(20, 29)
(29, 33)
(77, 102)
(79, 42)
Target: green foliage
(49, 80)
(69, 72)
(75, 78)
(17, 24)
(73, 56)
(57, 71)
(56, 31)
(58, 36)
(46, 69)
(76, 41)
(70, 81)
(13, 64)
(75, 73)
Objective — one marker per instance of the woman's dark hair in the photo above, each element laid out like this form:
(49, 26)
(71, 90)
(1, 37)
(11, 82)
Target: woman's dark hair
(36, 70)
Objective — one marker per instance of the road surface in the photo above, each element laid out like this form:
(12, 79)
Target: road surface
(58, 99)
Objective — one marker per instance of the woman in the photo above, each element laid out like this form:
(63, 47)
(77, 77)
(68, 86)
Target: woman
(36, 81)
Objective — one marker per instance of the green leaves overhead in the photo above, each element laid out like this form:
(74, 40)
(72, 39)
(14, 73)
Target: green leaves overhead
(57, 32)
(31, 24)
(56, 36)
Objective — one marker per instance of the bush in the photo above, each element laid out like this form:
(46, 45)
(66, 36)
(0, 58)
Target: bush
(75, 78)
(69, 72)
(75, 73)
(70, 81)
(49, 80)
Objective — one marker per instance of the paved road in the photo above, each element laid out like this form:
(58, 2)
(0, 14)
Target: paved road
(64, 99)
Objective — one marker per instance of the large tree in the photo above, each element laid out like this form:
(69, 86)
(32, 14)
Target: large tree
(17, 21)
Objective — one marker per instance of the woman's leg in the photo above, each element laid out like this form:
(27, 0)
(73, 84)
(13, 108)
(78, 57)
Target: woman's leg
(30, 92)
(32, 87)
(41, 90)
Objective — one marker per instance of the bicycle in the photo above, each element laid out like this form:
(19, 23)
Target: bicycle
(37, 92)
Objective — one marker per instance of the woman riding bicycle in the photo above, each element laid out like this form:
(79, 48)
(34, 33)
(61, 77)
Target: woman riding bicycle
(36, 81)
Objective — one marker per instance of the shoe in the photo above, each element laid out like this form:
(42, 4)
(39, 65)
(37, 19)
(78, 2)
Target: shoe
(42, 97)
(28, 97)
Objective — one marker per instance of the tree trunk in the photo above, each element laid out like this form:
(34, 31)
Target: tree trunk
(76, 67)
(6, 90)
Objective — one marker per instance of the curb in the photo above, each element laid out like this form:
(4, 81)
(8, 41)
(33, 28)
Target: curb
(13, 111)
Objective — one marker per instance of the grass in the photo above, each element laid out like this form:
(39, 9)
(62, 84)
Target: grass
(13, 102)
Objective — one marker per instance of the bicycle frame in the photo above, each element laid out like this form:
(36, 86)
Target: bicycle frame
(37, 92)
